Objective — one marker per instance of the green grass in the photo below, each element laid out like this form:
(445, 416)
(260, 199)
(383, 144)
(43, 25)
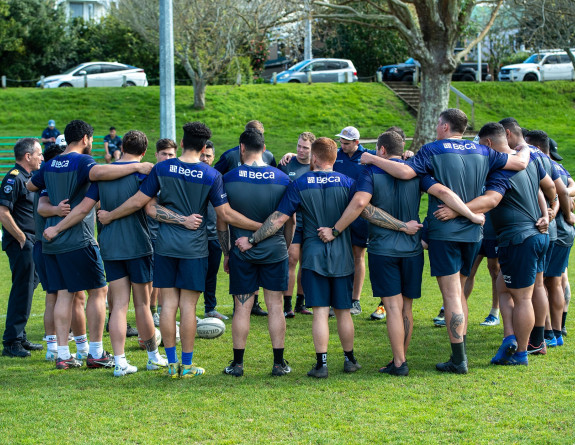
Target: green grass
(491, 404)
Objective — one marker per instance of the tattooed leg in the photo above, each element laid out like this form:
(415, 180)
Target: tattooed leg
(456, 321)
(151, 344)
(241, 320)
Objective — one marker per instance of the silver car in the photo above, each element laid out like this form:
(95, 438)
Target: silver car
(99, 74)
(322, 70)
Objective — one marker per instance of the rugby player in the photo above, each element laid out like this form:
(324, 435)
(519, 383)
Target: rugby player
(297, 166)
(255, 189)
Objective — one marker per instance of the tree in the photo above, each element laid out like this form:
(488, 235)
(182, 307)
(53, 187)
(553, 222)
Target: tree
(550, 24)
(431, 30)
(208, 35)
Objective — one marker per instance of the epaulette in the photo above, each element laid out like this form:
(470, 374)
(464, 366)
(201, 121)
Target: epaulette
(14, 172)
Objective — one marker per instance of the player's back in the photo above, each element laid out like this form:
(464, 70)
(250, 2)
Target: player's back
(401, 200)
(231, 159)
(462, 166)
(515, 216)
(565, 232)
(184, 188)
(323, 197)
(255, 192)
(128, 237)
(67, 177)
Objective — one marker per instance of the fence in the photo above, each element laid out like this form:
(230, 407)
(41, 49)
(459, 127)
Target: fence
(7, 158)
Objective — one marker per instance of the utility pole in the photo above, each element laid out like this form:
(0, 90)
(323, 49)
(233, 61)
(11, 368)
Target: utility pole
(307, 54)
(167, 89)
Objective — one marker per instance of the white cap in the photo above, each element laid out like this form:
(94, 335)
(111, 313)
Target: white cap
(349, 133)
(61, 141)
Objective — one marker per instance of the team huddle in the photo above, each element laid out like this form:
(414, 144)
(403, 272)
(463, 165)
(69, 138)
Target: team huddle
(500, 196)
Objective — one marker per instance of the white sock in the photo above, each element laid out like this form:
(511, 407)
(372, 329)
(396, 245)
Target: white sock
(51, 343)
(120, 360)
(64, 352)
(96, 349)
(154, 355)
(494, 312)
(81, 343)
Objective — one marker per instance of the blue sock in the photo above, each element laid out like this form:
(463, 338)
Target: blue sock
(509, 337)
(522, 354)
(187, 357)
(171, 355)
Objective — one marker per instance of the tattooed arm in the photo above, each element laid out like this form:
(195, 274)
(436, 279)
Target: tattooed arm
(383, 219)
(165, 215)
(289, 230)
(268, 228)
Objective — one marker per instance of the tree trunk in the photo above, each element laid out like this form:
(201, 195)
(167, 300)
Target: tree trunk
(571, 57)
(199, 92)
(434, 98)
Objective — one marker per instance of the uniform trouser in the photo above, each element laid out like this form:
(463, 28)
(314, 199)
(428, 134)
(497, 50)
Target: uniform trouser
(24, 281)
(214, 260)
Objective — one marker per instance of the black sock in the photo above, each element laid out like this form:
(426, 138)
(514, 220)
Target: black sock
(563, 318)
(287, 303)
(278, 356)
(256, 299)
(349, 356)
(557, 333)
(548, 334)
(465, 340)
(321, 358)
(537, 335)
(300, 300)
(239, 356)
(458, 353)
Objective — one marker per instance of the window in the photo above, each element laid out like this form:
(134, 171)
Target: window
(111, 68)
(318, 66)
(93, 69)
(333, 65)
(551, 60)
(565, 58)
(76, 10)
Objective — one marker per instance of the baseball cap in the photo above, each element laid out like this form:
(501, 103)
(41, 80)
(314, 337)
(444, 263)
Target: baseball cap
(61, 140)
(553, 151)
(51, 123)
(349, 133)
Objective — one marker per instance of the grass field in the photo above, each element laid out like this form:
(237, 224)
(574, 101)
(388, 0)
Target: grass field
(489, 405)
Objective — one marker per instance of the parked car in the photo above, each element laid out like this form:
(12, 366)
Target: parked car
(100, 74)
(322, 70)
(404, 72)
(545, 65)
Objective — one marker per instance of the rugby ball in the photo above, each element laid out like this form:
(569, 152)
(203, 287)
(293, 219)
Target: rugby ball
(210, 328)
(158, 339)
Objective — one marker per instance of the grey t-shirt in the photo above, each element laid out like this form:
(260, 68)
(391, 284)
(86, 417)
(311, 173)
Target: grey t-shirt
(294, 169)
(231, 159)
(545, 162)
(321, 197)
(565, 232)
(129, 237)
(401, 200)
(255, 192)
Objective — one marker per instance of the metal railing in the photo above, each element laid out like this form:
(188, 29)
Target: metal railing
(7, 158)
(460, 95)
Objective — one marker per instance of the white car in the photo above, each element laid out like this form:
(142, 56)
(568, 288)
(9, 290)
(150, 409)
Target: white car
(322, 70)
(99, 74)
(543, 66)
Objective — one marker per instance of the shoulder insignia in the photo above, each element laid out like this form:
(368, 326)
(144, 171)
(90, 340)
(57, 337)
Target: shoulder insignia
(14, 172)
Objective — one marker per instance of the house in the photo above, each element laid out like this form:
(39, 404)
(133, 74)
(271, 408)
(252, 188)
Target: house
(86, 9)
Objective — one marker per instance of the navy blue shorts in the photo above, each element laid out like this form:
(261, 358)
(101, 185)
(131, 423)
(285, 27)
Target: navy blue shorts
(559, 260)
(391, 276)
(138, 270)
(488, 248)
(520, 263)
(76, 271)
(297, 236)
(449, 257)
(41, 267)
(323, 291)
(246, 277)
(181, 273)
(359, 232)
